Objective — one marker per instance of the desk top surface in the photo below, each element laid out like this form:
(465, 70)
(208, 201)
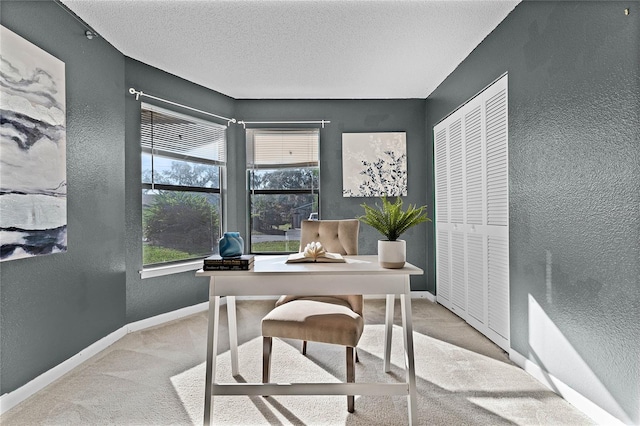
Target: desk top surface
(356, 265)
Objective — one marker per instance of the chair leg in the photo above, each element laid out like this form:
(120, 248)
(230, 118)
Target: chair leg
(304, 347)
(351, 377)
(267, 344)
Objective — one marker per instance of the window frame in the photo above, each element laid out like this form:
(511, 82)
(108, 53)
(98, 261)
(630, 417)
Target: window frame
(192, 263)
(251, 167)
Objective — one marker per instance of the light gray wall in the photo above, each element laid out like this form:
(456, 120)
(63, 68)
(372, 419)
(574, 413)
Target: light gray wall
(54, 306)
(574, 172)
(397, 115)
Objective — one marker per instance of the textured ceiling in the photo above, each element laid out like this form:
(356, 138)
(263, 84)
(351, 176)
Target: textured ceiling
(305, 49)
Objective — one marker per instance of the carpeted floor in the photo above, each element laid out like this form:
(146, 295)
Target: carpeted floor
(156, 377)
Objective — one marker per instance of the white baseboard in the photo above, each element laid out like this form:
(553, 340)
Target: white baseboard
(414, 295)
(11, 399)
(164, 318)
(423, 295)
(572, 396)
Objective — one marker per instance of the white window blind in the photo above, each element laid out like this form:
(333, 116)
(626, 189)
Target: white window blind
(282, 148)
(172, 134)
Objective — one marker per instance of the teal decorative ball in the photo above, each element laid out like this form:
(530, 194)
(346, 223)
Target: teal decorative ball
(231, 245)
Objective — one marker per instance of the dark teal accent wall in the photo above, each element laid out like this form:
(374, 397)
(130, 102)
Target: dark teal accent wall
(54, 306)
(154, 296)
(574, 179)
(397, 115)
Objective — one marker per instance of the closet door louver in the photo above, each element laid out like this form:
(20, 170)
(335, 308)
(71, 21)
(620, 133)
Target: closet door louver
(474, 166)
(456, 167)
(442, 217)
(498, 294)
(443, 268)
(476, 277)
(497, 167)
(442, 182)
(458, 281)
(472, 212)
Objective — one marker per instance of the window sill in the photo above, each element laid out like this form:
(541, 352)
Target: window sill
(159, 271)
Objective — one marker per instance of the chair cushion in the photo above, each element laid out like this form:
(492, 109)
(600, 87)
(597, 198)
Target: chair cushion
(316, 319)
(355, 302)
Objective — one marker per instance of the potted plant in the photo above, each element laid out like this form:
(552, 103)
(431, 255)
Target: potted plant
(392, 221)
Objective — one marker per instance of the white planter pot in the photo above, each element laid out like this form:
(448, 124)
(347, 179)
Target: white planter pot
(392, 254)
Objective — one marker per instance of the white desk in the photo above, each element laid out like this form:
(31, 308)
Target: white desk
(271, 276)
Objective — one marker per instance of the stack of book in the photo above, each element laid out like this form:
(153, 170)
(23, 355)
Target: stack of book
(219, 263)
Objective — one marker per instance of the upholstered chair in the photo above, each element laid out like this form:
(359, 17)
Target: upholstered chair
(328, 319)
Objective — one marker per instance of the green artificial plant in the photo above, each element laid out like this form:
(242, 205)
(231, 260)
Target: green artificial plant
(390, 220)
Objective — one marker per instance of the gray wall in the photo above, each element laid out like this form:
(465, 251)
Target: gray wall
(399, 115)
(54, 306)
(574, 171)
(153, 296)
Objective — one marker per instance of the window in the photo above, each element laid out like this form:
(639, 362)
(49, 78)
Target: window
(283, 183)
(182, 163)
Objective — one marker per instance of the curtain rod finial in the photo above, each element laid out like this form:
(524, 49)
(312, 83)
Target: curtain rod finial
(135, 92)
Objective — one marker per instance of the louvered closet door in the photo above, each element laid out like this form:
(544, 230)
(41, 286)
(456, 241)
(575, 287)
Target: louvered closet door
(456, 217)
(472, 212)
(443, 266)
(497, 207)
(475, 214)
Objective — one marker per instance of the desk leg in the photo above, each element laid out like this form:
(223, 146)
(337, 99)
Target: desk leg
(388, 327)
(233, 333)
(212, 351)
(407, 326)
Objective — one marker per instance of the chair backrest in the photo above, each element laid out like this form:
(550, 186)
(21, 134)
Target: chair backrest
(336, 236)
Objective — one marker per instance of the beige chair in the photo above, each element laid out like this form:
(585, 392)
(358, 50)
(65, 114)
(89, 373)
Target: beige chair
(328, 319)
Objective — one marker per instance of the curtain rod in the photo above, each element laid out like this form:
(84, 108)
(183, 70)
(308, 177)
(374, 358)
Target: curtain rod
(140, 93)
(323, 122)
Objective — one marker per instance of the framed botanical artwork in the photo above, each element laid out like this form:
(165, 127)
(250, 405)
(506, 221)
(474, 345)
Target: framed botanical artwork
(33, 166)
(374, 164)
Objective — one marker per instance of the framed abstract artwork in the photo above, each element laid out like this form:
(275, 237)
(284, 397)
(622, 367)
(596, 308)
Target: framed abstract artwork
(374, 164)
(33, 169)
